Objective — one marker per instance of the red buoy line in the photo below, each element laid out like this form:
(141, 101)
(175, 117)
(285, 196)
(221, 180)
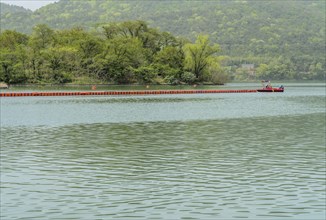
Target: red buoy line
(118, 92)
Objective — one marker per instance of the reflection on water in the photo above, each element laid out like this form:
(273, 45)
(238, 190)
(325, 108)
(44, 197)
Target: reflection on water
(259, 167)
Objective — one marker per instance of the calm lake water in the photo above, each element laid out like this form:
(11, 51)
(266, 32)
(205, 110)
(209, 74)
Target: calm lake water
(196, 156)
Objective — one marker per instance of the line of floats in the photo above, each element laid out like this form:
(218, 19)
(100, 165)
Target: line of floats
(116, 93)
(267, 87)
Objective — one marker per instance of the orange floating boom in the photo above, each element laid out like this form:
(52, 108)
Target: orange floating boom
(127, 92)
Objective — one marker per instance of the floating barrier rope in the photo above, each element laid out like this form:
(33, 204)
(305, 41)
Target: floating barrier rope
(128, 92)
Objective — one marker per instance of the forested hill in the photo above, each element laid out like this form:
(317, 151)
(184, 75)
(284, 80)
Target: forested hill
(248, 31)
(15, 17)
(243, 27)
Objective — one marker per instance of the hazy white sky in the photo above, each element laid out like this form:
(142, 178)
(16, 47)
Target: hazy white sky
(30, 4)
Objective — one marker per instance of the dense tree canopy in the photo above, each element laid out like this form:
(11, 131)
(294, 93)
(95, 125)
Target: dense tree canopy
(126, 52)
(263, 33)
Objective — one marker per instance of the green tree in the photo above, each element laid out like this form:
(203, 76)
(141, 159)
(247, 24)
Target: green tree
(10, 39)
(110, 30)
(61, 63)
(13, 57)
(145, 74)
(118, 59)
(278, 69)
(171, 58)
(216, 73)
(11, 68)
(199, 56)
(42, 36)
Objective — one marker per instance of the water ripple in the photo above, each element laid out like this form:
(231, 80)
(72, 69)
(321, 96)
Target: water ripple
(232, 168)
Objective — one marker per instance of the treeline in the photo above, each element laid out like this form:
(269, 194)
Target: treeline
(278, 68)
(283, 39)
(245, 28)
(126, 52)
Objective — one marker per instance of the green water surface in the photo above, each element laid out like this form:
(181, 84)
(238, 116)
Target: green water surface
(196, 156)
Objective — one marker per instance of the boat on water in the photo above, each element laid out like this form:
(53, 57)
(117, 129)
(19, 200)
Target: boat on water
(267, 87)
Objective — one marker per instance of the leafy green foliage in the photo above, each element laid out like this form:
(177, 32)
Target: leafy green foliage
(131, 53)
(278, 69)
(257, 32)
(199, 56)
(188, 77)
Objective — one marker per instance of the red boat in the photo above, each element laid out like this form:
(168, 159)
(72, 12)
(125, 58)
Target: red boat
(267, 87)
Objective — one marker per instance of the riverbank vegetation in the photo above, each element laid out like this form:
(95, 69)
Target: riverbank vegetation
(251, 40)
(123, 53)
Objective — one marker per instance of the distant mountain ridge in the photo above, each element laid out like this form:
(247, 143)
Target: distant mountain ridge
(6, 8)
(244, 29)
(15, 17)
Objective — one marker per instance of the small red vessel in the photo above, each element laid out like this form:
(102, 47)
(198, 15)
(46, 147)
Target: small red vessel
(267, 87)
